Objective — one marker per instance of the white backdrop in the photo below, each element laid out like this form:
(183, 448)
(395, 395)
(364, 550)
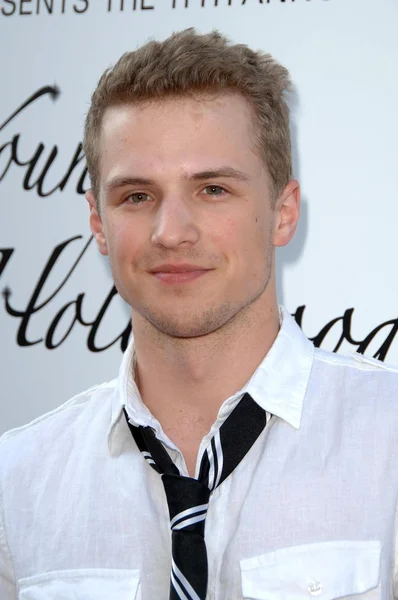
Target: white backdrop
(338, 275)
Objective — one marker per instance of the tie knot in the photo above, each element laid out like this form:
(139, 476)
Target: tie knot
(188, 500)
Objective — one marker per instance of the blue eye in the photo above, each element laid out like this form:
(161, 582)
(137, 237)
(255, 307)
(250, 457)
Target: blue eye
(137, 197)
(214, 190)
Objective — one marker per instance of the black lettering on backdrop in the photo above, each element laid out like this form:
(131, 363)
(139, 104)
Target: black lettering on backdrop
(68, 315)
(55, 7)
(5, 255)
(49, 4)
(35, 178)
(344, 327)
(82, 9)
(21, 7)
(131, 5)
(216, 3)
(43, 7)
(12, 9)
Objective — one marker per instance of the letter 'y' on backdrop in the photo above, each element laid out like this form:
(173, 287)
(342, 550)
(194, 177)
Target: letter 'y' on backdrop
(63, 327)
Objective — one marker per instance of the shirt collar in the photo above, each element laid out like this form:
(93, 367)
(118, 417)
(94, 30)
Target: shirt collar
(278, 385)
(280, 381)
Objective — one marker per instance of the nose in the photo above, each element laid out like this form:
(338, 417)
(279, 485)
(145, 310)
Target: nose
(174, 223)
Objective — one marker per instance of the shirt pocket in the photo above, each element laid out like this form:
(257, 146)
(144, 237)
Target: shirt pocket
(81, 584)
(326, 570)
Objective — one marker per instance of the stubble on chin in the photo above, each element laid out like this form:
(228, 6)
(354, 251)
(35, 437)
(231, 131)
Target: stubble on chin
(191, 325)
(222, 319)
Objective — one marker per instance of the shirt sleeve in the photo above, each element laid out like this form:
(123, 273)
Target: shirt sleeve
(7, 579)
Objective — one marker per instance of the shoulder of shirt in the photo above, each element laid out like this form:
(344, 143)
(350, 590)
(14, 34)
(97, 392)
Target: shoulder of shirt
(356, 361)
(79, 402)
(358, 383)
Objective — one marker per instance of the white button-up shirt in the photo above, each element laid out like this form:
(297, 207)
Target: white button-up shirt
(309, 512)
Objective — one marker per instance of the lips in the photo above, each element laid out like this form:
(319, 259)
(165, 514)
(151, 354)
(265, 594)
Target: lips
(186, 268)
(176, 274)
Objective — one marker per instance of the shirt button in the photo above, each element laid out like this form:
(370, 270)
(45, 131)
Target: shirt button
(315, 588)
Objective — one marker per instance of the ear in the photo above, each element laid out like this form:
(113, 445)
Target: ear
(96, 225)
(287, 212)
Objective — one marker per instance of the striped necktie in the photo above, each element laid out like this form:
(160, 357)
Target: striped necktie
(188, 498)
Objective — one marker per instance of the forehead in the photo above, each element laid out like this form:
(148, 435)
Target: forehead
(174, 112)
(175, 132)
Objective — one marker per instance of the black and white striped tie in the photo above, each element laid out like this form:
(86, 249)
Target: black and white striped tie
(188, 498)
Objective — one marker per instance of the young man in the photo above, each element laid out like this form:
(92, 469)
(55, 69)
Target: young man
(230, 459)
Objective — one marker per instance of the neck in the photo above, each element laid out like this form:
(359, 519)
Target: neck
(184, 381)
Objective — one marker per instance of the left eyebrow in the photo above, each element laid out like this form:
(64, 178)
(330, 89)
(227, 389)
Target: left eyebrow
(228, 172)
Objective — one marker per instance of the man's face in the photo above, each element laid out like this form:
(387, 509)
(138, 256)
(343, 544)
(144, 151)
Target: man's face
(185, 211)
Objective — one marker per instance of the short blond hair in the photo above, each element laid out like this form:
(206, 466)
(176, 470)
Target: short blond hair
(187, 64)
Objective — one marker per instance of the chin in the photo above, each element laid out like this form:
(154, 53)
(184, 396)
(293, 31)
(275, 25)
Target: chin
(190, 326)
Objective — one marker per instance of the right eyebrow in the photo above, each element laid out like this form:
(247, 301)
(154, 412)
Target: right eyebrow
(122, 181)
